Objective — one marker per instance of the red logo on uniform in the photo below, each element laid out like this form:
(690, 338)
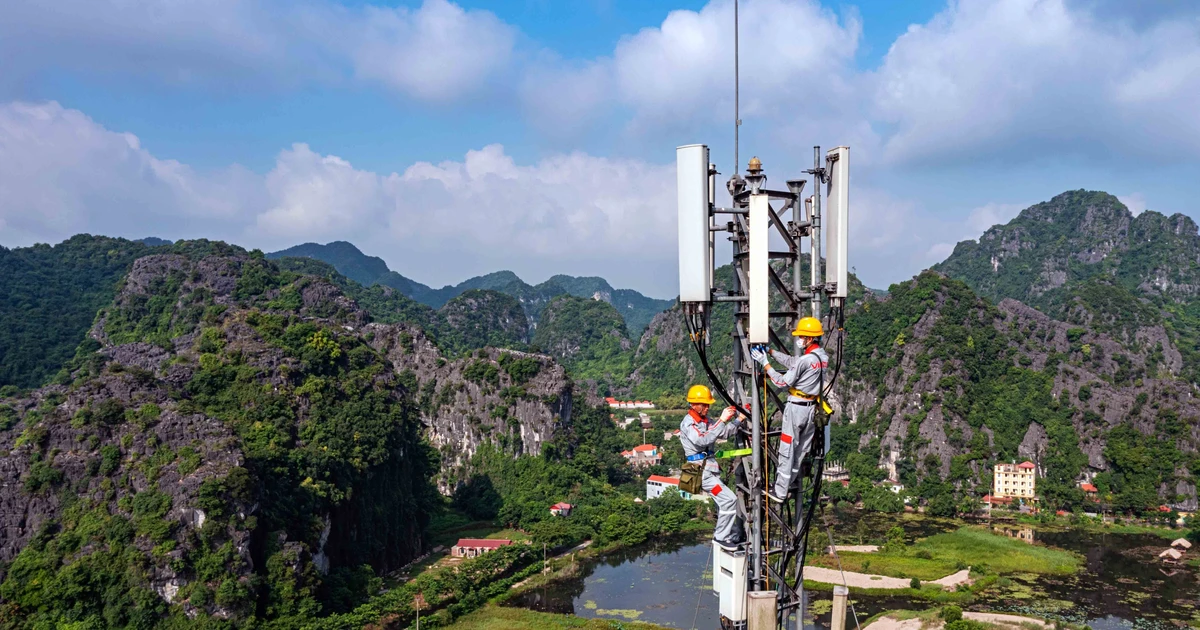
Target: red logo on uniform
(785, 438)
(716, 490)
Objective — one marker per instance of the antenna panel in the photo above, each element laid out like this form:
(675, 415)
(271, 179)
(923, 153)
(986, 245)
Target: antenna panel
(695, 266)
(837, 220)
(758, 272)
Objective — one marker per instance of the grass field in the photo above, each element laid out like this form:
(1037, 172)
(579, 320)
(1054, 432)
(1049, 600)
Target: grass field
(966, 547)
(500, 618)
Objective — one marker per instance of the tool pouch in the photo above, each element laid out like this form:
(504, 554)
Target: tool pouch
(690, 478)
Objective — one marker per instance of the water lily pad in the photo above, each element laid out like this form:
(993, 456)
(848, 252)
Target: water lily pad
(627, 613)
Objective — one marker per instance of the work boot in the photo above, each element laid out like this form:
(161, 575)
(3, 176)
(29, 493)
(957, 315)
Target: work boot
(729, 546)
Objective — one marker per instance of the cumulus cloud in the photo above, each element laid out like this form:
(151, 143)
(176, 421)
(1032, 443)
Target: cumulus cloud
(1136, 202)
(61, 173)
(1030, 79)
(435, 53)
(680, 74)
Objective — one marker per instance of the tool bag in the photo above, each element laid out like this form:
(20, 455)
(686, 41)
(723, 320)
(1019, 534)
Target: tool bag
(690, 478)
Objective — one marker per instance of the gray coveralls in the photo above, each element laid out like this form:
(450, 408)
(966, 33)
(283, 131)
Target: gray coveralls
(805, 375)
(698, 439)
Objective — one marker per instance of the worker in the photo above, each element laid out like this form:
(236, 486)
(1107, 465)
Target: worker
(804, 378)
(699, 437)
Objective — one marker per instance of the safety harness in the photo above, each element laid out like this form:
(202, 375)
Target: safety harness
(809, 399)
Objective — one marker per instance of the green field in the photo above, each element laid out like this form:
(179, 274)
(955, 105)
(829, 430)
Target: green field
(499, 618)
(967, 547)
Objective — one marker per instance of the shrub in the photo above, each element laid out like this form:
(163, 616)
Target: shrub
(951, 613)
(41, 476)
(914, 584)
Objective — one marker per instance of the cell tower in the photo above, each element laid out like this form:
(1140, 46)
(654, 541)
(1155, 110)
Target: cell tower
(771, 565)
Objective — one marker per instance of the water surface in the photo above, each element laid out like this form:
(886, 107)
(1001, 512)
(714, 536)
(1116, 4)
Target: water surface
(1122, 586)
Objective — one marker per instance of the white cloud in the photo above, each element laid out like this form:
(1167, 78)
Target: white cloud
(939, 252)
(1031, 79)
(61, 173)
(563, 206)
(1136, 202)
(436, 52)
(990, 214)
(680, 74)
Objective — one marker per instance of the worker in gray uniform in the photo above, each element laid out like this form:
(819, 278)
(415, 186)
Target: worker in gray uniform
(699, 439)
(804, 378)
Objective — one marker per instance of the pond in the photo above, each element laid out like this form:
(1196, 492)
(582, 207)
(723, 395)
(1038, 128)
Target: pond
(1121, 587)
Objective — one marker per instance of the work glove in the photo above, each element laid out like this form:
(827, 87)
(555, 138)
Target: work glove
(728, 413)
(760, 356)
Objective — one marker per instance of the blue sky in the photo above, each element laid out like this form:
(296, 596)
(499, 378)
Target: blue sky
(454, 139)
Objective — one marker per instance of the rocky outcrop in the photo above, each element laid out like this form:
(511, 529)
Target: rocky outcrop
(107, 444)
(242, 418)
(918, 406)
(477, 400)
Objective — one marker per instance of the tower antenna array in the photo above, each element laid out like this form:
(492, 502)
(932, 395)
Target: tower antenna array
(770, 566)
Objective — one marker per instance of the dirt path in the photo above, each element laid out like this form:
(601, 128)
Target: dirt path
(1014, 621)
(891, 623)
(866, 580)
(855, 548)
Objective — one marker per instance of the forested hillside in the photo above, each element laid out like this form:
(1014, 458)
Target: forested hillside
(238, 440)
(48, 298)
(636, 309)
(1082, 257)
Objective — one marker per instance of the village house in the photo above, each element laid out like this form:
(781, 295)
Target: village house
(993, 501)
(1014, 480)
(613, 403)
(643, 455)
(655, 485)
(473, 547)
(1089, 491)
(835, 471)
(560, 509)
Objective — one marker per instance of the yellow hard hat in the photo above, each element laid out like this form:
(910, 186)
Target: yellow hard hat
(700, 394)
(808, 327)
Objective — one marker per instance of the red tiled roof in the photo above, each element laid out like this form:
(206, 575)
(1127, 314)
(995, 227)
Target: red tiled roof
(661, 479)
(645, 447)
(1026, 465)
(987, 498)
(561, 506)
(1087, 487)
(1163, 508)
(486, 543)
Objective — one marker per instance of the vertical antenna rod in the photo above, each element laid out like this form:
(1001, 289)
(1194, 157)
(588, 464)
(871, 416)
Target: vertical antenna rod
(737, 121)
(815, 274)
